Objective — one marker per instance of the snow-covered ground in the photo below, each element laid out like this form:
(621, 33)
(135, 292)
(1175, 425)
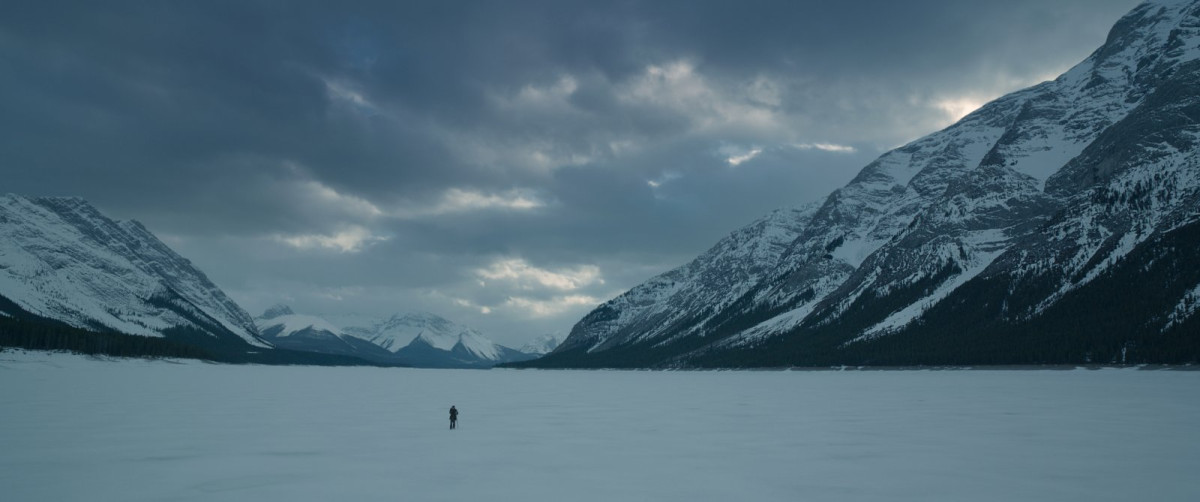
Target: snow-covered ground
(73, 428)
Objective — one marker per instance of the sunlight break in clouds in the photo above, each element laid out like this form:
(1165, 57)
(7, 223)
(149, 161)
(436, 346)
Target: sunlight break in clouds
(665, 178)
(957, 108)
(457, 200)
(316, 191)
(735, 160)
(527, 276)
(678, 87)
(351, 240)
(825, 147)
(554, 306)
(463, 302)
(735, 155)
(341, 92)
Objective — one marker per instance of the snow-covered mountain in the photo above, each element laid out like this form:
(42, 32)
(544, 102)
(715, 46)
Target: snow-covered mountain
(541, 345)
(417, 339)
(60, 259)
(425, 339)
(289, 330)
(1059, 223)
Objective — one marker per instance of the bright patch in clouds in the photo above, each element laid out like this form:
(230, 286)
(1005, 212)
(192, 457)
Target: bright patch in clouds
(525, 276)
(661, 180)
(349, 204)
(957, 108)
(677, 86)
(562, 284)
(735, 160)
(342, 92)
(457, 200)
(554, 95)
(825, 147)
(349, 240)
(736, 155)
(551, 307)
(463, 302)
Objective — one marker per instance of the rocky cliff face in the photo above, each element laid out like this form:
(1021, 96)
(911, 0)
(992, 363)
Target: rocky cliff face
(978, 243)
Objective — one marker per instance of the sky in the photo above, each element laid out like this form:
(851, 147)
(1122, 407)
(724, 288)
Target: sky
(506, 165)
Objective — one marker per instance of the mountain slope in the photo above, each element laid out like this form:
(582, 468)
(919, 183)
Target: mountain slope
(1034, 198)
(682, 300)
(60, 259)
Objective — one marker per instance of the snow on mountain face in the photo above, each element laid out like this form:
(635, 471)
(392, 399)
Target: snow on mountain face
(1044, 190)
(61, 259)
(664, 304)
(400, 330)
(478, 345)
(541, 345)
(288, 324)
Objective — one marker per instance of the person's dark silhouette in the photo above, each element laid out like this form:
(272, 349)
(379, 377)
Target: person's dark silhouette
(453, 417)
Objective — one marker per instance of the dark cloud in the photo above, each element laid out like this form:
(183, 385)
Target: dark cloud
(376, 156)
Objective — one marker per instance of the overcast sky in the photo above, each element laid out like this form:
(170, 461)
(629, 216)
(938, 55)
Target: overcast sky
(507, 165)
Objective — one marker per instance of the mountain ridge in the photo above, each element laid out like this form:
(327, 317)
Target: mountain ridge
(420, 339)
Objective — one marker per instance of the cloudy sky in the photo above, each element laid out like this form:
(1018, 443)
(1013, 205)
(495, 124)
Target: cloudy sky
(508, 165)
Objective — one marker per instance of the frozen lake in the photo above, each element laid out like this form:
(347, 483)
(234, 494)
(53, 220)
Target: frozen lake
(73, 428)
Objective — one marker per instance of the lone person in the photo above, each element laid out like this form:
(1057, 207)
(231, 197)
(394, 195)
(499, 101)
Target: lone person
(453, 417)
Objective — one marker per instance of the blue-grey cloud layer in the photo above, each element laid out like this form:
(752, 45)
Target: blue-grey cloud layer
(503, 163)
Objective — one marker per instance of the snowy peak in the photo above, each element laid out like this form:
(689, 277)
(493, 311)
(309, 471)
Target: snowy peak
(432, 340)
(287, 324)
(62, 259)
(438, 340)
(441, 334)
(276, 311)
(543, 344)
(401, 329)
(478, 345)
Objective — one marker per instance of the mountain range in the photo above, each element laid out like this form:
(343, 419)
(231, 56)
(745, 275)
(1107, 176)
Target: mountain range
(412, 339)
(1056, 224)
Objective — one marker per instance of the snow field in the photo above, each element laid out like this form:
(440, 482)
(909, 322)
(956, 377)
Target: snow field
(75, 428)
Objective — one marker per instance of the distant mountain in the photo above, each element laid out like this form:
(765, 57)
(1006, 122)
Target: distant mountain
(1056, 224)
(417, 339)
(541, 345)
(428, 340)
(286, 329)
(63, 261)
